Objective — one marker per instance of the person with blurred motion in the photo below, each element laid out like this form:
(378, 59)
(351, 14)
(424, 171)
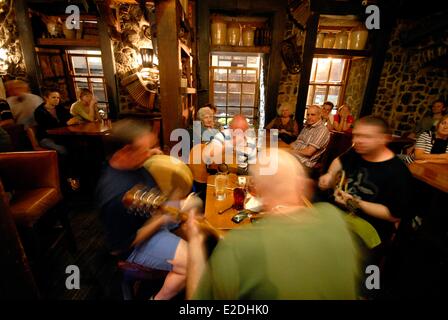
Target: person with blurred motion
(21, 102)
(147, 241)
(285, 123)
(312, 140)
(376, 184)
(293, 252)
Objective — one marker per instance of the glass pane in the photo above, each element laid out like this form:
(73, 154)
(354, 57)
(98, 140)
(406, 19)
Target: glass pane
(233, 111)
(81, 83)
(234, 87)
(79, 65)
(248, 100)
(319, 95)
(248, 88)
(250, 75)
(95, 65)
(337, 69)
(333, 94)
(309, 99)
(223, 121)
(323, 68)
(252, 62)
(219, 99)
(214, 60)
(234, 75)
(99, 91)
(221, 112)
(248, 112)
(234, 99)
(220, 74)
(220, 88)
(313, 70)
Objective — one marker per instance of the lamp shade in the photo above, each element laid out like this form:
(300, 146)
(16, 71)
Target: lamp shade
(147, 56)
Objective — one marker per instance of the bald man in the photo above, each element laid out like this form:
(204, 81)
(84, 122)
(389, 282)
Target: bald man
(312, 140)
(293, 252)
(238, 140)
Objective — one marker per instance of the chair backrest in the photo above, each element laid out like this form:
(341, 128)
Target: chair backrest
(199, 170)
(30, 169)
(31, 133)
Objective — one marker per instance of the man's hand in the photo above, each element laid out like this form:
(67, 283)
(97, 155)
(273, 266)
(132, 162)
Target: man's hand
(326, 181)
(341, 197)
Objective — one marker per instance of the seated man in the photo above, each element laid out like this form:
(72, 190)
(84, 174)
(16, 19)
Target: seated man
(139, 239)
(312, 140)
(377, 184)
(293, 252)
(235, 142)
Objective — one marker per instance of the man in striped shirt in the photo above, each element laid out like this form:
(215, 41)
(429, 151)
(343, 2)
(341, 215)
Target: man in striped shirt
(312, 140)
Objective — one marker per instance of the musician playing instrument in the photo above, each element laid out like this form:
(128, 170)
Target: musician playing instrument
(378, 185)
(134, 235)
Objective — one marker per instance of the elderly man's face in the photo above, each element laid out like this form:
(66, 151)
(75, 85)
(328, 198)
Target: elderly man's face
(313, 115)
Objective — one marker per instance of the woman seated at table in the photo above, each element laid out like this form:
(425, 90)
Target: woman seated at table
(85, 109)
(432, 147)
(287, 127)
(49, 115)
(343, 120)
(206, 116)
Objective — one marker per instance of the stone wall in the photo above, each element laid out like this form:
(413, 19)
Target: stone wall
(289, 83)
(9, 40)
(408, 85)
(126, 51)
(356, 84)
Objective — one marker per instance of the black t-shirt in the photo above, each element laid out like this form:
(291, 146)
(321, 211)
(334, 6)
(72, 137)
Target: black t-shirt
(120, 224)
(5, 111)
(388, 183)
(439, 146)
(46, 121)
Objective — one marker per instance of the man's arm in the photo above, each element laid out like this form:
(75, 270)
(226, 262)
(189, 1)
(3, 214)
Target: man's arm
(327, 180)
(151, 226)
(308, 151)
(421, 155)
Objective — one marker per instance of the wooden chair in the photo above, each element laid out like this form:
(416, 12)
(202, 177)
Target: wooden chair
(133, 275)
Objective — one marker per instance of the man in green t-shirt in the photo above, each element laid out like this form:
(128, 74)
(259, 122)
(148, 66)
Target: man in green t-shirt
(294, 252)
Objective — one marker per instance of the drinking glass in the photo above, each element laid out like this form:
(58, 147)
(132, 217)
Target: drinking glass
(220, 186)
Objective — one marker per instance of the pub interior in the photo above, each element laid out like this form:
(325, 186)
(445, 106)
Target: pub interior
(210, 149)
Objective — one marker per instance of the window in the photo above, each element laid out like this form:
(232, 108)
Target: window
(235, 85)
(86, 71)
(327, 81)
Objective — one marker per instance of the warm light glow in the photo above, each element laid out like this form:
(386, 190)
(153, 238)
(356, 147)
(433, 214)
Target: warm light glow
(3, 54)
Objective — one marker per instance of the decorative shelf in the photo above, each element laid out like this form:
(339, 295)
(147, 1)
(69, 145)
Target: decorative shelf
(94, 42)
(263, 49)
(187, 90)
(341, 52)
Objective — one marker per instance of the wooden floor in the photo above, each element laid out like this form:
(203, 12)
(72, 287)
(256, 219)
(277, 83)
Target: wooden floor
(100, 278)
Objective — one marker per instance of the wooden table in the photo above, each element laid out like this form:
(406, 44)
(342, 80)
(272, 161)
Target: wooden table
(212, 206)
(434, 174)
(86, 129)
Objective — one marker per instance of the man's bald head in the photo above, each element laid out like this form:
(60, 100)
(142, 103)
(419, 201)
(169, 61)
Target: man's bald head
(239, 122)
(287, 185)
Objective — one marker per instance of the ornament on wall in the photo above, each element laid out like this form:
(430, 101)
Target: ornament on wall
(291, 55)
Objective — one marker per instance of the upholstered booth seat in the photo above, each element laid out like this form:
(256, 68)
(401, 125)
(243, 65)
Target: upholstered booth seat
(27, 206)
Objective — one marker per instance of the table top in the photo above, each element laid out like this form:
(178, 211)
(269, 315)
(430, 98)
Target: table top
(89, 129)
(212, 206)
(434, 174)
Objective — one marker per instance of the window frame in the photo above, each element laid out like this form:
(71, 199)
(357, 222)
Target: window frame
(343, 84)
